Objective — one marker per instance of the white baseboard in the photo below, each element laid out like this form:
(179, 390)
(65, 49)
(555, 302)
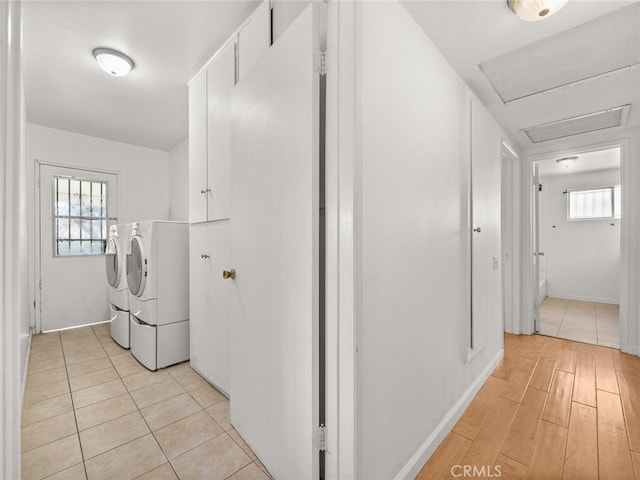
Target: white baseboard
(583, 298)
(76, 326)
(419, 459)
(23, 387)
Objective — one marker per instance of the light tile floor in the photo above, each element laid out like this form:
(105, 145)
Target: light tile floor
(588, 322)
(91, 411)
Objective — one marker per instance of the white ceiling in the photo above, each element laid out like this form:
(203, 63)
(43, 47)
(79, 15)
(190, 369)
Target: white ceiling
(470, 33)
(171, 40)
(587, 162)
(168, 40)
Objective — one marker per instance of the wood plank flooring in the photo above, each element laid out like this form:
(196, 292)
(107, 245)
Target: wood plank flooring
(552, 410)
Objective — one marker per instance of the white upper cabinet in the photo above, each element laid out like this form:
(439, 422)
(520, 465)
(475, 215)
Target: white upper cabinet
(210, 117)
(198, 149)
(221, 76)
(254, 39)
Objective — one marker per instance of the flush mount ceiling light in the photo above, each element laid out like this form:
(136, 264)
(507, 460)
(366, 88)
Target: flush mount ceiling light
(113, 62)
(535, 10)
(567, 161)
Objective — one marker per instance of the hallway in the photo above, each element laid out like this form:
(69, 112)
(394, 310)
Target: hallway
(552, 409)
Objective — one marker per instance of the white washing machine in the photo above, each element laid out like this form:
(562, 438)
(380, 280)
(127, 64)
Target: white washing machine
(158, 280)
(116, 266)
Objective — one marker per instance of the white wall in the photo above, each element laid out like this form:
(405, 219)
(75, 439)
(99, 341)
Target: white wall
(630, 246)
(143, 182)
(179, 182)
(413, 323)
(582, 257)
(14, 306)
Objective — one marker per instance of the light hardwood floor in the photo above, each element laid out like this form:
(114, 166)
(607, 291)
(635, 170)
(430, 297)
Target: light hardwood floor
(553, 409)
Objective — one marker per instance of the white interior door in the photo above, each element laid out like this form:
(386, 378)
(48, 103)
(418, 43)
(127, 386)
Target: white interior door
(274, 233)
(536, 248)
(76, 210)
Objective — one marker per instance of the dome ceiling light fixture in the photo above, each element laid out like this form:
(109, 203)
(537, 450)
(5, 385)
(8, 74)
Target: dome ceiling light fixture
(567, 161)
(113, 62)
(535, 10)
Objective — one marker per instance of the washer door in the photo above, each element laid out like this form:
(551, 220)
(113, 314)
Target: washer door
(136, 267)
(112, 263)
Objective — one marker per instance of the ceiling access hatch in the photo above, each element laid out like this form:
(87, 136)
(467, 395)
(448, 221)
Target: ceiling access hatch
(606, 45)
(591, 122)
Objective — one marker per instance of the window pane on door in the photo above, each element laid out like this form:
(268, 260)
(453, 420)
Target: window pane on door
(80, 216)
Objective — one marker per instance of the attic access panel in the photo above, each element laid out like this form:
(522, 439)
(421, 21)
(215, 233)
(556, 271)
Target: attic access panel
(610, 118)
(604, 45)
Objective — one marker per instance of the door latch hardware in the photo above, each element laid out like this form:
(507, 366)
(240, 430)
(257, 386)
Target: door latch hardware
(322, 438)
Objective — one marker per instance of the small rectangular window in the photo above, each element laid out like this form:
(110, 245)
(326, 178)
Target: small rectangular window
(80, 216)
(594, 203)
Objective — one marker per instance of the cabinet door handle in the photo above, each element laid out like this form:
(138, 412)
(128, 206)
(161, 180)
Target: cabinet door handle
(229, 274)
(204, 255)
(204, 192)
(477, 229)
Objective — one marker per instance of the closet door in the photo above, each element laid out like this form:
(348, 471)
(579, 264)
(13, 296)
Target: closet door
(221, 76)
(254, 39)
(275, 185)
(209, 253)
(198, 149)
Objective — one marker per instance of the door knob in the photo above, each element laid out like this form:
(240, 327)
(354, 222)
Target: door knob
(204, 255)
(477, 229)
(227, 274)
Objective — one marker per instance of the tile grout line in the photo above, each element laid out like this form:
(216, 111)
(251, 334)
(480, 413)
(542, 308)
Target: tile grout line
(73, 406)
(128, 392)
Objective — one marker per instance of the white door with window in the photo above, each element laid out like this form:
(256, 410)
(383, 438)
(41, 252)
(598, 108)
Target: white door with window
(76, 208)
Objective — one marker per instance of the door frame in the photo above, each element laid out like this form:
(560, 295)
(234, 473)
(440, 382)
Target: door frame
(342, 164)
(37, 218)
(510, 250)
(629, 282)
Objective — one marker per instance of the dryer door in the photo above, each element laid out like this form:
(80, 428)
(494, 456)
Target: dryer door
(112, 263)
(136, 267)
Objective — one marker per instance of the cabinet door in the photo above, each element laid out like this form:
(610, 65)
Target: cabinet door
(254, 39)
(209, 302)
(221, 76)
(198, 149)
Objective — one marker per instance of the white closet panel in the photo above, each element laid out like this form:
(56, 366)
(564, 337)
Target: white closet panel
(254, 39)
(274, 234)
(209, 301)
(220, 82)
(198, 149)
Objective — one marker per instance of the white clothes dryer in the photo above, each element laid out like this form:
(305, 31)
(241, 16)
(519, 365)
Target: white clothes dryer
(158, 280)
(116, 267)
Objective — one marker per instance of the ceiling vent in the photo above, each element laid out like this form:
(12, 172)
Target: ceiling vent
(591, 122)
